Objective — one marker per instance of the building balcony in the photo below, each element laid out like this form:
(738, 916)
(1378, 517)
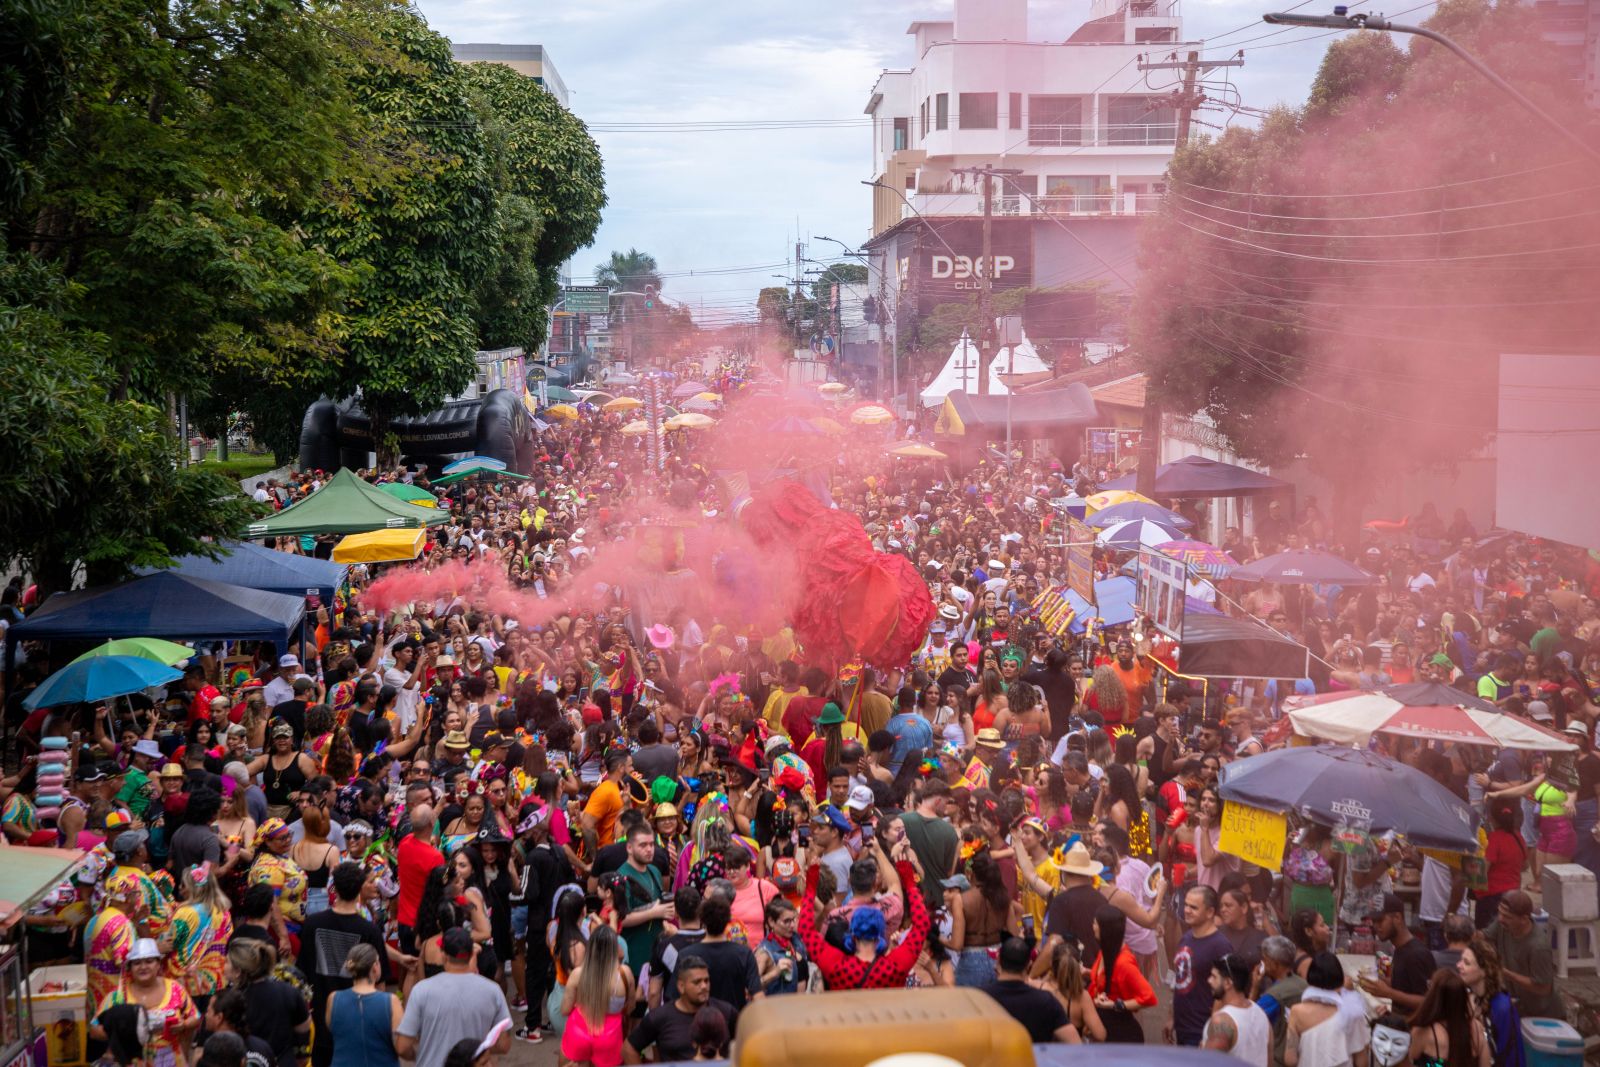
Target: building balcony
(944, 205)
(1135, 135)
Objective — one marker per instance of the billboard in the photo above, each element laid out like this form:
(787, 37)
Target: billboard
(943, 262)
(1080, 559)
(1163, 582)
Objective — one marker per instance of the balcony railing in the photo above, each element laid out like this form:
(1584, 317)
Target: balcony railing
(948, 204)
(1142, 134)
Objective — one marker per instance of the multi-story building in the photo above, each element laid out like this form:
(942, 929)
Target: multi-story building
(1088, 131)
(527, 59)
(1573, 26)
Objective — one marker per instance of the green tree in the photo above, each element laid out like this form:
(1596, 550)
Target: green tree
(88, 482)
(425, 234)
(837, 274)
(1313, 318)
(550, 191)
(773, 307)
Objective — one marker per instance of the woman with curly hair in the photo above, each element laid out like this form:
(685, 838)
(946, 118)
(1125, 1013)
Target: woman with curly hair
(319, 728)
(254, 721)
(1107, 695)
(339, 756)
(1479, 967)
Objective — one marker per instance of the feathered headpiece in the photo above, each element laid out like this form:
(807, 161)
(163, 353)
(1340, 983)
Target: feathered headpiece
(728, 681)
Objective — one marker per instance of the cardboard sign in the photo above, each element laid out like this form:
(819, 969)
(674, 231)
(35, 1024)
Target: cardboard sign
(1253, 834)
(1080, 560)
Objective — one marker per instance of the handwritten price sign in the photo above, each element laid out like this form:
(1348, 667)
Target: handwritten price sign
(1253, 834)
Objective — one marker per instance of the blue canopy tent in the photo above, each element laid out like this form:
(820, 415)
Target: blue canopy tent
(265, 569)
(1114, 599)
(168, 605)
(1197, 476)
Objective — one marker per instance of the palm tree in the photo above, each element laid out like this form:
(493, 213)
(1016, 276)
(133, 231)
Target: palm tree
(631, 270)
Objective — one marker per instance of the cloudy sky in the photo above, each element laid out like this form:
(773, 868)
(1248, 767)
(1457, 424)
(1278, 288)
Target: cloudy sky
(733, 202)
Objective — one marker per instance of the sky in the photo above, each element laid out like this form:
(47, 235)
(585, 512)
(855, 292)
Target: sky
(733, 202)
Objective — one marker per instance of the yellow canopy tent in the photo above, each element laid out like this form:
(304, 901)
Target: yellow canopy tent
(380, 546)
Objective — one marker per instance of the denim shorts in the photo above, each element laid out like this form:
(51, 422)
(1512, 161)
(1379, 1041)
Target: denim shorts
(519, 922)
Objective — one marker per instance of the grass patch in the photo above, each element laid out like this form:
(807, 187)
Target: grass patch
(241, 466)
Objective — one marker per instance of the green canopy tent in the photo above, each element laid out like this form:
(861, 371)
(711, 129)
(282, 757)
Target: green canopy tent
(409, 493)
(346, 505)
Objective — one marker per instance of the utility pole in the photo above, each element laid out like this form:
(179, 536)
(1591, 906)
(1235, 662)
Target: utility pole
(988, 172)
(799, 279)
(1185, 103)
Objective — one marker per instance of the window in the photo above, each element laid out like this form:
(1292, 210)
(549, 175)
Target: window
(902, 134)
(1077, 192)
(978, 111)
(941, 111)
(922, 127)
(1141, 120)
(1015, 111)
(1055, 120)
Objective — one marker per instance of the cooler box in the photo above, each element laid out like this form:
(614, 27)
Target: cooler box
(61, 1010)
(1569, 893)
(1551, 1043)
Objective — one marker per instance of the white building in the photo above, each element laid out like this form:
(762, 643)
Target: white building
(530, 60)
(1089, 135)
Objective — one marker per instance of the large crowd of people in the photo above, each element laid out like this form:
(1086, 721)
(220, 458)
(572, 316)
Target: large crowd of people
(441, 829)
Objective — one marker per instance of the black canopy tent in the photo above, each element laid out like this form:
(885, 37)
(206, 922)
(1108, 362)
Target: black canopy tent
(1217, 646)
(1030, 415)
(1197, 476)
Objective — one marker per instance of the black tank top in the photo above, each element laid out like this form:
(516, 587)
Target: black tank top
(278, 785)
(1071, 915)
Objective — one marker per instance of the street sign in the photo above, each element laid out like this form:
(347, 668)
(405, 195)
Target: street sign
(586, 299)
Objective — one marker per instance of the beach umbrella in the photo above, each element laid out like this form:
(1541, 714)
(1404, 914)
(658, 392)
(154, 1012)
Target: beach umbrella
(696, 404)
(1112, 497)
(827, 425)
(1207, 559)
(561, 411)
(1131, 536)
(710, 398)
(1333, 785)
(84, 681)
(167, 653)
(871, 415)
(691, 420)
(411, 494)
(1419, 709)
(914, 450)
(474, 463)
(687, 389)
(1137, 509)
(636, 428)
(622, 403)
(559, 395)
(833, 388)
(1303, 566)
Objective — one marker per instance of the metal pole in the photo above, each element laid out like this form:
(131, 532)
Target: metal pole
(986, 294)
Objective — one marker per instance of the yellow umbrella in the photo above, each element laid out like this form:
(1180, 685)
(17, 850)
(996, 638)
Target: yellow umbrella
(622, 403)
(912, 450)
(380, 546)
(832, 388)
(710, 398)
(636, 428)
(690, 420)
(561, 411)
(1101, 501)
(827, 425)
(871, 415)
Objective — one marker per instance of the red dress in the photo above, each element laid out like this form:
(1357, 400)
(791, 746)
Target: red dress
(842, 970)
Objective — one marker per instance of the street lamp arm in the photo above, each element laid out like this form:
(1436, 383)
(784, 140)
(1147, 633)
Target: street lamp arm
(1342, 21)
(931, 228)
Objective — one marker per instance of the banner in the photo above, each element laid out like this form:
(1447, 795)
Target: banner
(1163, 582)
(1080, 560)
(1253, 834)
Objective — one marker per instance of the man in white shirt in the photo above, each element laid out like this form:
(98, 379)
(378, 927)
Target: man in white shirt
(260, 496)
(281, 688)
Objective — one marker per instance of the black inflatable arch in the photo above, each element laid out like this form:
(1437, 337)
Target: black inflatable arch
(497, 425)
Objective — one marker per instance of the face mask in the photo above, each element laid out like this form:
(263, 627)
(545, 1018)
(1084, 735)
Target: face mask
(1390, 1047)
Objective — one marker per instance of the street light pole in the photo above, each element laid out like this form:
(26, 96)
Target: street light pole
(1342, 20)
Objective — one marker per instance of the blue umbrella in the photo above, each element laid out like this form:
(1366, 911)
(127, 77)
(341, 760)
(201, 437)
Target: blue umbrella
(1303, 566)
(475, 463)
(99, 678)
(1072, 504)
(1137, 509)
(1330, 785)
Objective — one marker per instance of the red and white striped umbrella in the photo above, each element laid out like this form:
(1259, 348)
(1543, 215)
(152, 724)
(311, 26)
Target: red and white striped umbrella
(1419, 709)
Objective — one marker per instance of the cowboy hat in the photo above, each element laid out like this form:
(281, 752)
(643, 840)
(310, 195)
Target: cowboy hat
(1078, 861)
(989, 737)
(660, 636)
(456, 741)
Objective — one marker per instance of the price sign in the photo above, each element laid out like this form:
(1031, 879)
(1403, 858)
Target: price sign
(1253, 834)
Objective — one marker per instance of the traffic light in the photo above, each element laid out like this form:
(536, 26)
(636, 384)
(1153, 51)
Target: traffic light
(649, 297)
(869, 309)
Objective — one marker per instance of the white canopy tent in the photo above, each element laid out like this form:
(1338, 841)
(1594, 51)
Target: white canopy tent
(960, 371)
